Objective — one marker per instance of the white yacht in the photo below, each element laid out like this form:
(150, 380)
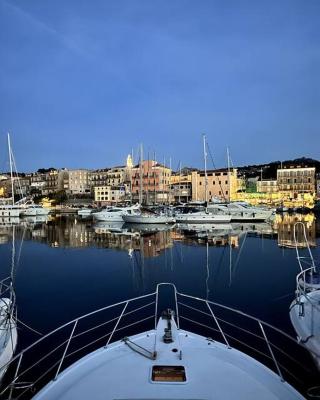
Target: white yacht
(10, 210)
(96, 359)
(115, 214)
(13, 209)
(305, 308)
(202, 217)
(8, 333)
(33, 210)
(8, 325)
(85, 211)
(242, 211)
(305, 318)
(147, 218)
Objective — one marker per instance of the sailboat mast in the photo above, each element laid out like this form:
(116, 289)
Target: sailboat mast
(11, 172)
(205, 169)
(132, 165)
(170, 191)
(141, 178)
(154, 167)
(229, 175)
(163, 178)
(179, 182)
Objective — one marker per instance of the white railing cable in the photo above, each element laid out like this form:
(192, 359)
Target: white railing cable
(66, 349)
(271, 352)
(117, 323)
(218, 325)
(113, 319)
(284, 334)
(40, 340)
(15, 376)
(19, 372)
(107, 334)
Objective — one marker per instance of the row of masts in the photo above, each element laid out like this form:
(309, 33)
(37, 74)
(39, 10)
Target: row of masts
(205, 155)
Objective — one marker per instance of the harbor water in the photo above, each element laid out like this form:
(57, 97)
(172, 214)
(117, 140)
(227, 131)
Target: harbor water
(67, 266)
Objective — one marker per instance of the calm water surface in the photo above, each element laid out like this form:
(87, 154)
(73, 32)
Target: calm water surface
(67, 267)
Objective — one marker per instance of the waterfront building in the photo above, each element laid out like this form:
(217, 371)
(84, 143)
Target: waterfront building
(44, 183)
(98, 177)
(79, 182)
(21, 187)
(222, 184)
(267, 186)
(180, 187)
(37, 183)
(318, 185)
(154, 182)
(63, 180)
(108, 195)
(117, 177)
(296, 180)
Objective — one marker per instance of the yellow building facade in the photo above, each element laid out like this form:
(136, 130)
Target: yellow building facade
(221, 184)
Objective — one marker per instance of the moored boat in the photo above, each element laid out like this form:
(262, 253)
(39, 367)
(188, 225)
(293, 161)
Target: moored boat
(167, 359)
(305, 308)
(148, 219)
(115, 214)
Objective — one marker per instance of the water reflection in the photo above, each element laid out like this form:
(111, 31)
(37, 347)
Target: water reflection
(284, 226)
(151, 239)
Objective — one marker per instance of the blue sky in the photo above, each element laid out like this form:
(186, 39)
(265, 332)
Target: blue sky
(84, 82)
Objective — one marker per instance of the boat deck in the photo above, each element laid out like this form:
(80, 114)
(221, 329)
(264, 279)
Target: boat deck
(212, 371)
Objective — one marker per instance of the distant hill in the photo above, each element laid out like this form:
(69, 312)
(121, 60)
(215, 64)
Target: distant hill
(269, 171)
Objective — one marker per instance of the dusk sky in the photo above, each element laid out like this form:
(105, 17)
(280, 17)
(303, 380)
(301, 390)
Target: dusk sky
(84, 82)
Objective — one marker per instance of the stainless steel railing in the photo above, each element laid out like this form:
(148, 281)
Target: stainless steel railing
(45, 359)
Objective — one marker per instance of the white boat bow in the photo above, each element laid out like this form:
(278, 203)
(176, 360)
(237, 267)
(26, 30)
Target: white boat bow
(165, 358)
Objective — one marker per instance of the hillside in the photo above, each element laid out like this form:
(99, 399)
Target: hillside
(269, 171)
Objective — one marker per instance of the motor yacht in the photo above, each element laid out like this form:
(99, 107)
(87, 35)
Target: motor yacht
(115, 214)
(191, 216)
(166, 357)
(32, 210)
(147, 218)
(241, 211)
(85, 211)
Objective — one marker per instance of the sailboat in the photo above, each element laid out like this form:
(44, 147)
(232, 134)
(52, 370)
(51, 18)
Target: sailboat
(21, 207)
(10, 210)
(144, 217)
(203, 216)
(240, 210)
(8, 326)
